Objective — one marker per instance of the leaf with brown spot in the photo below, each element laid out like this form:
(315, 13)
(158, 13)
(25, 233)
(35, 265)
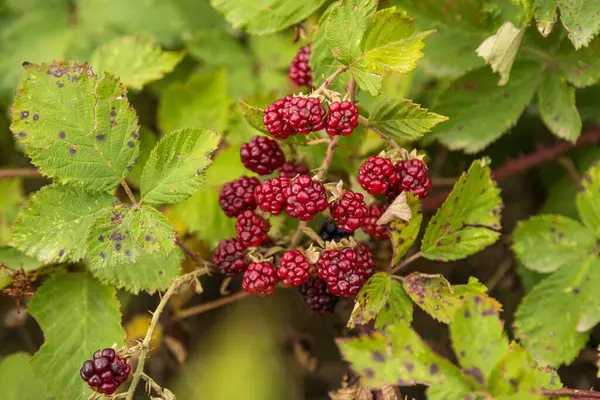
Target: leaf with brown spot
(588, 199)
(404, 233)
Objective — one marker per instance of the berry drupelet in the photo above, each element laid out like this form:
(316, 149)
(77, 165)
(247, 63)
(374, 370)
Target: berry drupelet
(294, 268)
(270, 195)
(260, 278)
(300, 72)
(229, 257)
(376, 175)
(305, 198)
(251, 230)
(342, 118)
(238, 196)
(105, 372)
(330, 231)
(262, 155)
(349, 211)
(317, 296)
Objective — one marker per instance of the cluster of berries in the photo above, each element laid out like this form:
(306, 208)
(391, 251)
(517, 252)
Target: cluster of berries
(105, 372)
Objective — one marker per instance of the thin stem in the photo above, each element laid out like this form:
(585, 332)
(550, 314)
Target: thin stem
(499, 273)
(191, 254)
(145, 346)
(328, 157)
(571, 169)
(297, 235)
(443, 181)
(587, 394)
(365, 122)
(19, 173)
(406, 261)
(201, 308)
(352, 90)
(330, 79)
(129, 192)
(318, 141)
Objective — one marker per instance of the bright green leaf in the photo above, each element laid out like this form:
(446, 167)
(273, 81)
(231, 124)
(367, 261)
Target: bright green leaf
(254, 116)
(433, 294)
(404, 233)
(263, 17)
(78, 316)
(500, 50)
(581, 68)
(147, 142)
(478, 338)
(54, 225)
(218, 47)
(274, 51)
(322, 61)
(480, 111)
(545, 243)
(136, 60)
(175, 169)
(200, 102)
(402, 119)
(19, 382)
(383, 299)
(545, 15)
(556, 101)
(77, 128)
(581, 19)
(469, 219)
(11, 198)
(588, 199)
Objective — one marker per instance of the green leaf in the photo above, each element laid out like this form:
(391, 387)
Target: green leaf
(553, 340)
(402, 119)
(274, 51)
(263, 17)
(480, 111)
(469, 219)
(545, 15)
(14, 259)
(399, 358)
(147, 143)
(152, 272)
(200, 102)
(78, 316)
(478, 338)
(500, 50)
(175, 169)
(581, 19)
(322, 61)
(581, 68)
(433, 294)
(384, 300)
(254, 116)
(545, 243)
(19, 382)
(92, 148)
(11, 198)
(404, 233)
(218, 47)
(121, 234)
(136, 60)
(556, 101)
(588, 199)
(54, 225)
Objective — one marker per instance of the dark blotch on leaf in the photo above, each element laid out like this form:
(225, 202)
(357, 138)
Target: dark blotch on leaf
(575, 290)
(514, 383)
(134, 135)
(61, 252)
(378, 357)
(113, 123)
(62, 134)
(59, 84)
(409, 366)
(369, 373)
(160, 273)
(36, 117)
(24, 114)
(118, 246)
(102, 255)
(477, 374)
(22, 134)
(73, 150)
(101, 238)
(130, 144)
(100, 137)
(128, 253)
(434, 368)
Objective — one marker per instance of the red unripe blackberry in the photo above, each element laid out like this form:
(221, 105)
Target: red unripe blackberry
(300, 72)
(342, 270)
(304, 114)
(291, 170)
(317, 296)
(105, 372)
(276, 124)
(412, 175)
(366, 264)
(251, 230)
(342, 118)
(294, 268)
(237, 196)
(229, 257)
(262, 155)
(376, 175)
(305, 198)
(370, 227)
(260, 278)
(270, 195)
(349, 211)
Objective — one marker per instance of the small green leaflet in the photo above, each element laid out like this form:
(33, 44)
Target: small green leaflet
(254, 117)
(19, 382)
(469, 219)
(218, 47)
(322, 62)
(581, 19)
(78, 129)
(136, 60)
(580, 68)
(545, 15)
(147, 142)
(588, 199)
(384, 300)
(13, 260)
(263, 17)
(556, 101)
(404, 233)
(480, 111)
(402, 119)
(545, 243)
(478, 338)
(175, 169)
(500, 49)
(121, 234)
(11, 198)
(78, 316)
(54, 225)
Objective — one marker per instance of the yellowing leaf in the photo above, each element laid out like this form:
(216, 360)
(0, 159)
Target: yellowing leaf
(500, 50)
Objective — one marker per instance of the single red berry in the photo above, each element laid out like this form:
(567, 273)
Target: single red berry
(105, 372)
(276, 124)
(376, 175)
(260, 278)
(366, 264)
(370, 227)
(304, 114)
(229, 257)
(317, 296)
(300, 69)
(342, 270)
(349, 211)
(412, 175)
(291, 170)
(305, 198)
(294, 268)
(262, 155)
(342, 118)
(237, 196)
(251, 230)
(270, 195)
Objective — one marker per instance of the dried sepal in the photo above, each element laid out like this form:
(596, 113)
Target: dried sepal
(335, 191)
(312, 254)
(399, 209)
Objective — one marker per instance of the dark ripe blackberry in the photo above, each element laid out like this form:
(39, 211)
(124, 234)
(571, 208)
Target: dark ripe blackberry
(105, 372)
(238, 196)
(300, 72)
(330, 231)
(317, 296)
(229, 257)
(262, 155)
(304, 114)
(276, 123)
(292, 170)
